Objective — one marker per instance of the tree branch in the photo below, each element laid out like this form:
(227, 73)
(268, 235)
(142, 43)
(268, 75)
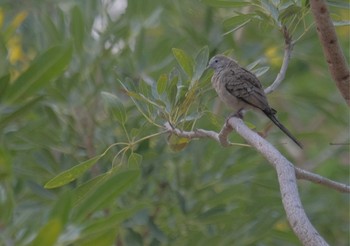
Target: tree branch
(287, 54)
(334, 56)
(297, 218)
(286, 173)
(222, 136)
(315, 178)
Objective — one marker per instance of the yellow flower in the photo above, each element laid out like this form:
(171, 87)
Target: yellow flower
(1, 17)
(14, 47)
(273, 56)
(17, 21)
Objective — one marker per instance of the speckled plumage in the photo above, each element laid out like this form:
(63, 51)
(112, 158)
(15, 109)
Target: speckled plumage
(240, 89)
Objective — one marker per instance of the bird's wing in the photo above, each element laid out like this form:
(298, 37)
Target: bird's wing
(245, 86)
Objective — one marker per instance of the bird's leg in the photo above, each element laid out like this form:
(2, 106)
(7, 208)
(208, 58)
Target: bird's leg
(238, 114)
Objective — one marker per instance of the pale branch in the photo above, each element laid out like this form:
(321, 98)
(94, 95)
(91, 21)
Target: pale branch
(335, 58)
(221, 138)
(287, 54)
(285, 171)
(297, 218)
(199, 133)
(315, 178)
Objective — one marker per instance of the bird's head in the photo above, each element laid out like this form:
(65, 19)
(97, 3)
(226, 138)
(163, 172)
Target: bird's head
(219, 62)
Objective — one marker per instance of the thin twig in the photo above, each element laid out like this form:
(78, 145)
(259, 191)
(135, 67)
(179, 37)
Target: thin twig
(318, 179)
(287, 54)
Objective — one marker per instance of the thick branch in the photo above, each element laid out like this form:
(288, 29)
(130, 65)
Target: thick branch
(297, 218)
(331, 48)
(285, 171)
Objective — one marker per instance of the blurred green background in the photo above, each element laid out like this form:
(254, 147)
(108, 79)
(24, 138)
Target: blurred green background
(79, 76)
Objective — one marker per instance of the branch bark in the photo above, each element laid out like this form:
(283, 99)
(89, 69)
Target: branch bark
(288, 47)
(286, 173)
(297, 218)
(222, 136)
(337, 64)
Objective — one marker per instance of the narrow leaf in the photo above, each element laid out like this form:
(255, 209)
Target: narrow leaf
(184, 61)
(62, 207)
(5, 119)
(172, 87)
(234, 23)
(134, 160)
(115, 106)
(44, 68)
(107, 192)
(83, 190)
(72, 173)
(201, 63)
(226, 3)
(77, 27)
(271, 9)
(112, 220)
(260, 71)
(48, 234)
(253, 64)
(177, 143)
(162, 83)
(4, 82)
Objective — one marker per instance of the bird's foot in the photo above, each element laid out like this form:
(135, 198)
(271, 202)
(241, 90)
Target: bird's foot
(238, 114)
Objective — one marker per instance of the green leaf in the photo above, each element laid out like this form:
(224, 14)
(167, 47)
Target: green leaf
(201, 63)
(102, 238)
(226, 3)
(162, 83)
(172, 87)
(72, 173)
(51, 29)
(177, 143)
(83, 190)
(48, 234)
(4, 83)
(271, 9)
(61, 209)
(234, 23)
(143, 98)
(7, 201)
(44, 68)
(134, 160)
(115, 106)
(290, 11)
(106, 192)
(112, 220)
(184, 60)
(5, 119)
(77, 27)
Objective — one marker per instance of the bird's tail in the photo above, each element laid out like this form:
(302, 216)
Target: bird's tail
(271, 114)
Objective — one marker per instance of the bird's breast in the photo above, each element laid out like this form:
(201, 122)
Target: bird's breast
(224, 95)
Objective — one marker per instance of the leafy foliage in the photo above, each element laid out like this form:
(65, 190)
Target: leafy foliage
(86, 87)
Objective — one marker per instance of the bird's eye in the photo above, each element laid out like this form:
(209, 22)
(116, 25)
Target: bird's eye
(216, 61)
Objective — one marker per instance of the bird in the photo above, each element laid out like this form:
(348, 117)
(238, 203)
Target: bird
(240, 89)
